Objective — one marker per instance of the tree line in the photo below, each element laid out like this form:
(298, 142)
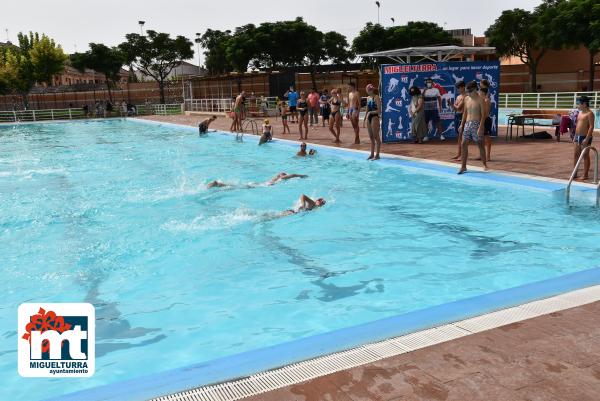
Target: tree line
(528, 35)
(554, 24)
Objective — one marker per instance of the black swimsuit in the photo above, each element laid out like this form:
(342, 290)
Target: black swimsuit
(372, 108)
(302, 107)
(334, 113)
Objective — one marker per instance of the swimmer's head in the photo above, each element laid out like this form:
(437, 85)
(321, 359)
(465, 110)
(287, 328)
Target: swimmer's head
(370, 88)
(266, 121)
(303, 146)
(213, 118)
(320, 202)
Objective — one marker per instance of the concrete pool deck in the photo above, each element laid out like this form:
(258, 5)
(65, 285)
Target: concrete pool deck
(547, 358)
(551, 357)
(545, 158)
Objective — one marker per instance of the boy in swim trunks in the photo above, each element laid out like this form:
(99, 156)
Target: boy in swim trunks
(203, 126)
(472, 125)
(354, 110)
(584, 132)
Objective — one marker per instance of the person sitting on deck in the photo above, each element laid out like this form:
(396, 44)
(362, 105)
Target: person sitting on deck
(267, 134)
(203, 126)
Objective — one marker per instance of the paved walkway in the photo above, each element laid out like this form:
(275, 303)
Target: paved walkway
(538, 157)
(553, 357)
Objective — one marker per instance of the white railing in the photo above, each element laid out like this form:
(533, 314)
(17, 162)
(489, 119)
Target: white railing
(208, 105)
(164, 109)
(223, 105)
(552, 100)
(80, 113)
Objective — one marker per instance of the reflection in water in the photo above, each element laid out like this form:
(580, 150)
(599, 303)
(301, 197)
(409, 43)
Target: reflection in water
(328, 292)
(485, 246)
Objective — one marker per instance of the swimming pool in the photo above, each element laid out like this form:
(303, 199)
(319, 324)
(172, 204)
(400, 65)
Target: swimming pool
(117, 213)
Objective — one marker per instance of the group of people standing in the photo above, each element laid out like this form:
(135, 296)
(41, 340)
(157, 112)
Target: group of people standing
(472, 121)
(304, 109)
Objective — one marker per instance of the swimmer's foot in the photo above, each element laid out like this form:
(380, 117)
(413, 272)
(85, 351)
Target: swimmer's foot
(457, 157)
(376, 157)
(485, 167)
(370, 157)
(357, 141)
(462, 171)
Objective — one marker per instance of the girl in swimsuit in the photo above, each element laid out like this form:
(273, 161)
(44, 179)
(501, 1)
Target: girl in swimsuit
(336, 117)
(303, 118)
(372, 116)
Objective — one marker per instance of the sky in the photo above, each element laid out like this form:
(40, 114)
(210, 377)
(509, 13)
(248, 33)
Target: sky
(75, 23)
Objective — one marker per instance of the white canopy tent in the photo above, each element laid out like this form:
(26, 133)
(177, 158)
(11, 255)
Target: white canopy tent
(432, 53)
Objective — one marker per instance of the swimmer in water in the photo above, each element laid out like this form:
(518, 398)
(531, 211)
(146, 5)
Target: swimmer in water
(278, 178)
(284, 176)
(302, 151)
(306, 205)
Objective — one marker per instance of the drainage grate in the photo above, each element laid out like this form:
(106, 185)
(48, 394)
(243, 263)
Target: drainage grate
(325, 365)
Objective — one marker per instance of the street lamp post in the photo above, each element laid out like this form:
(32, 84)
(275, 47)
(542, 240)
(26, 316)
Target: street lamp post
(198, 43)
(142, 23)
(378, 7)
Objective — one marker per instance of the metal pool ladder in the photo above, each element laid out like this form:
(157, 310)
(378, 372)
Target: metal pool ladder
(583, 153)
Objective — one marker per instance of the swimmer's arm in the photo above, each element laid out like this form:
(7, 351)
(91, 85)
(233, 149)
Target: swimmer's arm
(307, 203)
(378, 102)
(287, 177)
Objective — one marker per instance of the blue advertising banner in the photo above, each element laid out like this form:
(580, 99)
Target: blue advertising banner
(397, 79)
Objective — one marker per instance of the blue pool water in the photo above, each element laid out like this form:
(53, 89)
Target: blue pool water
(117, 213)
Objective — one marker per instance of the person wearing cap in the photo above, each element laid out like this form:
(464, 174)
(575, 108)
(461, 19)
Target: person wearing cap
(584, 131)
(306, 205)
(267, 134)
(372, 116)
(433, 104)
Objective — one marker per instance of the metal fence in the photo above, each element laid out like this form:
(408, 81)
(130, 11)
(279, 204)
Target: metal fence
(555, 100)
(79, 113)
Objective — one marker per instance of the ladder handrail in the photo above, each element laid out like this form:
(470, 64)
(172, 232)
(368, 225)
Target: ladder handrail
(581, 156)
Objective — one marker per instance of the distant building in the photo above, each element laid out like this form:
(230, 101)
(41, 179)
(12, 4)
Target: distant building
(464, 35)
(184, 69)
(72, 76)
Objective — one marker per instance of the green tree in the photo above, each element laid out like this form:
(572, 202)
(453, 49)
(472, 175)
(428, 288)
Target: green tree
(242, 47)
(103, 59)
(578, 22)
(336, 48)
(515, 34)
(374, 37)
(47, 59)
(215, 56)
(156, 54)
(268, 46)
